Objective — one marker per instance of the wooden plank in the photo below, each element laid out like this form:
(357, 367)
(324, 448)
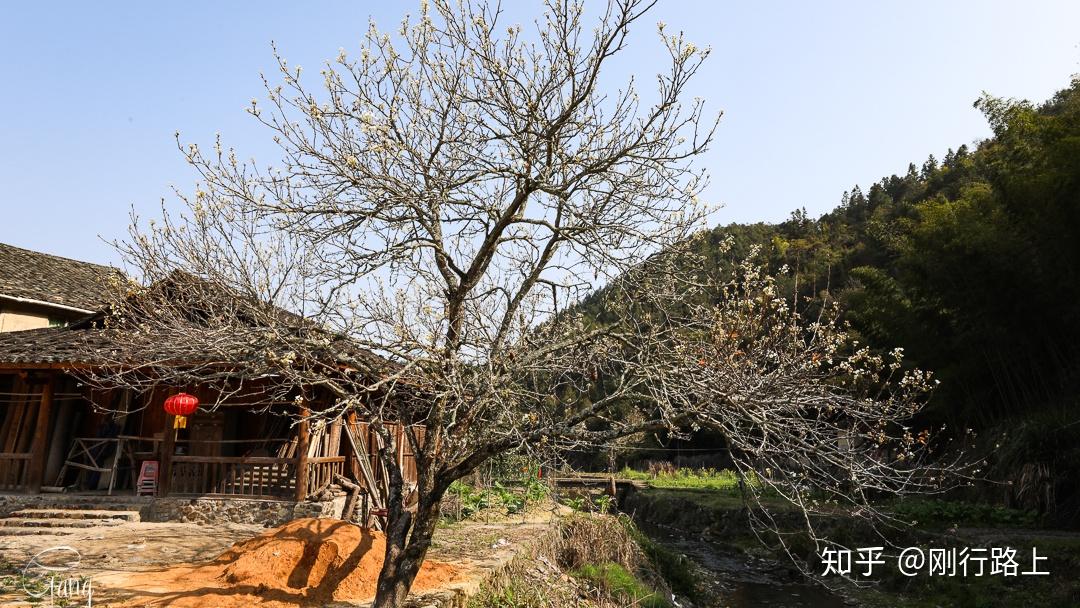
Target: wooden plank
(116, 463)
(9, 416)
(16, 413)
(18, 420)
(352, 467)
(36, 469)
(360, 448)
(302, 437)
(334, 448)
(232, 459)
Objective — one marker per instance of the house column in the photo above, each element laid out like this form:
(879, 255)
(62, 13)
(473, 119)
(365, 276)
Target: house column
(36, 467)
(352, 464)
(168, 446)
(303, 435)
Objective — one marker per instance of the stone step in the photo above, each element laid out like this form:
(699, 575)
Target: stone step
(29, 522)
(90, 504)
(32, 531)
(51, 513)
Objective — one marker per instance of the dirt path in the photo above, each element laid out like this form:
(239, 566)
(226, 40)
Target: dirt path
(131, 546)
(138, 551)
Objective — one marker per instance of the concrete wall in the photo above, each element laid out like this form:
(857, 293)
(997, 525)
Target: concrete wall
(19, 316)
(17, 321)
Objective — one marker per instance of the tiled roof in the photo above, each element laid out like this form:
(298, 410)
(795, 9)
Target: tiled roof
(55, 345)
(48, 278)
(87, 343)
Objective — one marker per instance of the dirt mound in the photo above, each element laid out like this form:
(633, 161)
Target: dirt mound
(306, 561)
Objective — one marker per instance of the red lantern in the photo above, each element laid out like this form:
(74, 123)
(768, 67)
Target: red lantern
(181, 405)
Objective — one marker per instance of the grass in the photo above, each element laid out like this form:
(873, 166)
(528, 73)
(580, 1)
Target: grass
(686, 478)
(936, 513)
(609, 563)
(675, 495)
(676, 569)
(512, 594)
(619, 583)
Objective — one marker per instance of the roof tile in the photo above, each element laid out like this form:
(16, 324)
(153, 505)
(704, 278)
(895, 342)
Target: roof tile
(56, 280)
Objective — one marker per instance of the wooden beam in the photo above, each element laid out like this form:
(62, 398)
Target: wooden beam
(36, 466)
(303, 434)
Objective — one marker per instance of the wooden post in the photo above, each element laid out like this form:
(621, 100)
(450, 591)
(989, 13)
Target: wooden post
(352, 465)
(36, 466)
(303, 434)
(168, 449)
(168, 446)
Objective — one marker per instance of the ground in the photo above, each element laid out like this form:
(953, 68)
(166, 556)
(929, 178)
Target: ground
(112, 556)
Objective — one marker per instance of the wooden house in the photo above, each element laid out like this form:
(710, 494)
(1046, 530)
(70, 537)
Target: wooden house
(58, 434)
(41, 290)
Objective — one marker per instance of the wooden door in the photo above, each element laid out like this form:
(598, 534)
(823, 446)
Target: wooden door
(207, 427)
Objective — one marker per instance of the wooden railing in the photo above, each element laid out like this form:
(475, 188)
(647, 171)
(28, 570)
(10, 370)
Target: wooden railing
(241, 476)
(13, 468)
(91, 454)
(250, 476)
(321, 473)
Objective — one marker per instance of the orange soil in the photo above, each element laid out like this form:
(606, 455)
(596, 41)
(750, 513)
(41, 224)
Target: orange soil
(305, 561)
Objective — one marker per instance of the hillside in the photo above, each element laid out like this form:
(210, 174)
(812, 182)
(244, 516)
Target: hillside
(971, 263)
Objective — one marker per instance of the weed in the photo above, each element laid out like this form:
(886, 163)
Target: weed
(684, 478)
(619, 583)
(675, 568)
(512, 594)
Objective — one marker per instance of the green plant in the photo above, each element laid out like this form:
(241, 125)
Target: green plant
(936, 512)
(470, 499)
(619, 583)
(675, 568)
(705, 479)
(603, 503)
(535, 489)
(577, 503)
(512, 501)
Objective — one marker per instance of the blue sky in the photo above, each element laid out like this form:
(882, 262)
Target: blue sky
(817, 96)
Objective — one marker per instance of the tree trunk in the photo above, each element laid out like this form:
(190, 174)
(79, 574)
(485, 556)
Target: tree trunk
(405, 552)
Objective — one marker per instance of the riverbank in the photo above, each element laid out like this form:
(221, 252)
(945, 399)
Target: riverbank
(711, 526)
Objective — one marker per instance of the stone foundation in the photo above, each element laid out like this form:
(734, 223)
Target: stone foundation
(195, 510)
(240, 511)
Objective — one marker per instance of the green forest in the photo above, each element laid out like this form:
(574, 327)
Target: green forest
(970, 263)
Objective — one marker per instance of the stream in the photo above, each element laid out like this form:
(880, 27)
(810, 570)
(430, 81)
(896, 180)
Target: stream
(729, 577)
(734, 580)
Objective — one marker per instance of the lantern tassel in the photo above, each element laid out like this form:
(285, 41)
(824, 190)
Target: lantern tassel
(180, 422)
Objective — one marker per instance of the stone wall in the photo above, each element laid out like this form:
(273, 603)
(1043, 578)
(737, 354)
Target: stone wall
(197, 510)
(240, 511)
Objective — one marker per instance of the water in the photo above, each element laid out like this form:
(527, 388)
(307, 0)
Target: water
(734, 580)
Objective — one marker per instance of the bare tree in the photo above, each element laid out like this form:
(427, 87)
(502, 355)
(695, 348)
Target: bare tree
(810, 416)
(441, 195)
(444, 198)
